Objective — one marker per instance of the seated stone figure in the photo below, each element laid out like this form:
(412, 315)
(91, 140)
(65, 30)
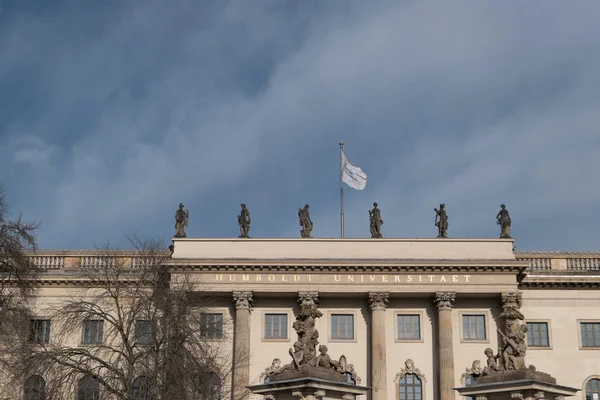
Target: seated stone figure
(324, 360)
(492, 364)
(297, 357)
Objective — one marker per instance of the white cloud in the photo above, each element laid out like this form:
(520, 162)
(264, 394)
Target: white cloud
(467, 104)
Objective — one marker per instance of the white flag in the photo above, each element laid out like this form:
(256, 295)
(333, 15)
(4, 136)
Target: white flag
(352, 175)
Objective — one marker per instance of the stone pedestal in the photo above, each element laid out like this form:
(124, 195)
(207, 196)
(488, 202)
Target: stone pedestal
(526, 384)
(308, 388)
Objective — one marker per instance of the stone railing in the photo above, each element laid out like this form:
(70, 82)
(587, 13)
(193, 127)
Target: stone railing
(73, 259)
(583, 264)
(48, 262)
(97, 261)
(538, 264)
(561, 261)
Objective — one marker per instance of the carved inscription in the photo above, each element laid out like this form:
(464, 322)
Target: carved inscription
(344, 278)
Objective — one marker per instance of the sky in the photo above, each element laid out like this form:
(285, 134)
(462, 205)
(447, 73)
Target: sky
(113, 112)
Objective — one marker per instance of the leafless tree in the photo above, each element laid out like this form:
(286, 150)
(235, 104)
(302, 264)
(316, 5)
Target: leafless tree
(134, 329)
(17, 241)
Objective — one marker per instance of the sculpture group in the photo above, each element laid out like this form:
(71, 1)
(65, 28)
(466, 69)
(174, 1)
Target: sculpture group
(375, 222)
(304, 351)
(509, 361)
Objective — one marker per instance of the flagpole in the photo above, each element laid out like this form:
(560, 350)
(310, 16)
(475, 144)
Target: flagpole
(341, 195)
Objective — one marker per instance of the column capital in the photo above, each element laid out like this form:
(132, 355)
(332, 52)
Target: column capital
(378, 300)
(444, 300)
(243, 300)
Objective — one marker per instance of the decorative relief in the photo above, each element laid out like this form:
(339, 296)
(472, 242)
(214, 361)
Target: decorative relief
(274, 368)
(344, 368)
(410, 369)
(298, 394)
(378, 300)
(474, 371)
(516, 395)
(243, 300)
(444, 300)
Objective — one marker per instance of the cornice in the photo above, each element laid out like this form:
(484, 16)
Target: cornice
(327, 265)
(561, 281)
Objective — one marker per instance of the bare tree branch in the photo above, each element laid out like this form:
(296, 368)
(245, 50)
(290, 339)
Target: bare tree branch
(151, 327)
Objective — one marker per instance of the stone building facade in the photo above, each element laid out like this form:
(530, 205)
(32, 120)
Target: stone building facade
(412, 316)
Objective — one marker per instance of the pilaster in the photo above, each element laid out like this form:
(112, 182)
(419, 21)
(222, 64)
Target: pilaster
(444, 302)
(378, 302)
(243, 302)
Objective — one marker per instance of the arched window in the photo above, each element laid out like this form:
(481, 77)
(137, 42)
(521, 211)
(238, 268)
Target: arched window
(88, 389)
(410, 387)
(592, 389)
(141, 388)
(35, 388)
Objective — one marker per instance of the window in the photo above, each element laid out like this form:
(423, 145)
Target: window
(276, 326)
(144, 332)
(410, 387)
(592, 389)
(211, 325)
(342, 326)
(537, 334)
(209, 387)
(35, 388)
(409, 327)
(590, 334)
(92, 332)
(470, 380)
(141, 388)
(39, 330)
(88, 389)
(473, 327)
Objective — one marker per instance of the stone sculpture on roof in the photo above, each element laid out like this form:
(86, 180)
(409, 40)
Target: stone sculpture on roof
(244, 221)
(181, 221)
(375, 222)
(441, 221)
(503, 219)
(305, 222)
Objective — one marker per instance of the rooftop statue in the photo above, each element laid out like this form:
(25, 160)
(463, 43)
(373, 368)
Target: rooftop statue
(503, 219)
(181, 221)
(305, 222)
(244, 221)
(441, 221)
(375, 222)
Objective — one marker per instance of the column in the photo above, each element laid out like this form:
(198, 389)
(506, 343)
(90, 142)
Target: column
(241, 344)
(378, 302)
(444, 302)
